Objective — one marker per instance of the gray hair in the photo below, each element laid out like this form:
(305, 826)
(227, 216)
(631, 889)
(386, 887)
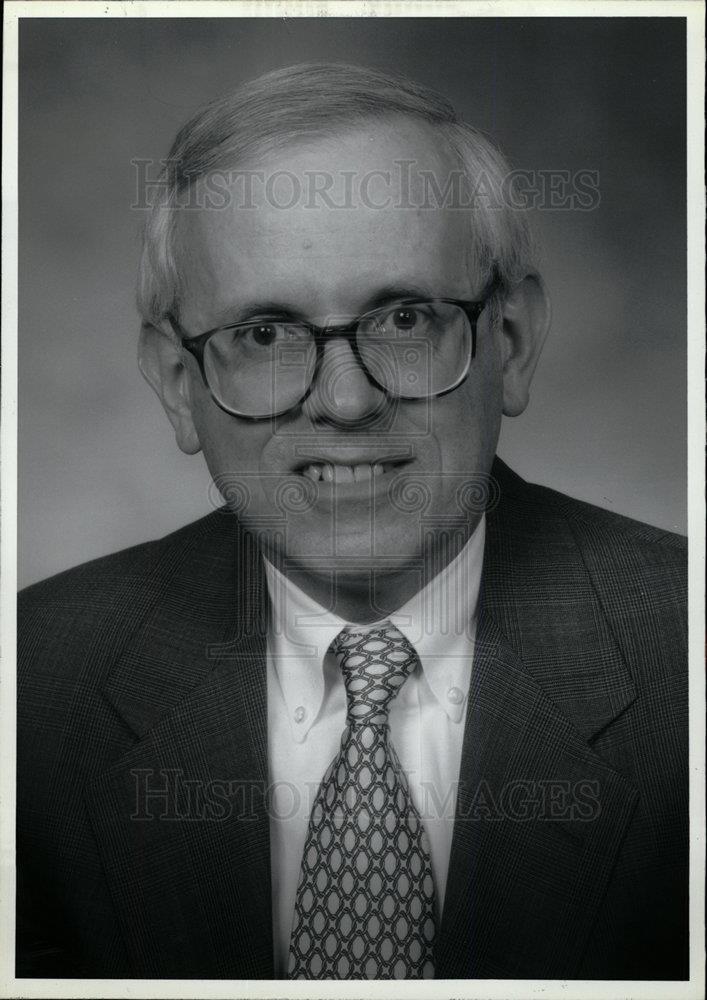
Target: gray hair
(314, 100)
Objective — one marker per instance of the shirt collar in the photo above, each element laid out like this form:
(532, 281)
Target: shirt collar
(300, 633)
(439, 621)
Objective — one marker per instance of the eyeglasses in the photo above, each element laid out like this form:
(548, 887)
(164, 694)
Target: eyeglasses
(410, 349)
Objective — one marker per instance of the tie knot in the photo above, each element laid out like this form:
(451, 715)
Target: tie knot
(375, 664)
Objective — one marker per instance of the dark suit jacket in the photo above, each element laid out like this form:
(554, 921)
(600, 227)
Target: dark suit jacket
(569, 857)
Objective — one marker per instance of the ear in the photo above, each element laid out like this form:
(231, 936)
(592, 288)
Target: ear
(525, 319)
(160, 361)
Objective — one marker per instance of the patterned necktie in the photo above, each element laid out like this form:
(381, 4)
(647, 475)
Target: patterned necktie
(365, 898)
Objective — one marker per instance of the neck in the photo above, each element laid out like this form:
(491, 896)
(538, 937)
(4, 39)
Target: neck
(358, 599)
(371, 595)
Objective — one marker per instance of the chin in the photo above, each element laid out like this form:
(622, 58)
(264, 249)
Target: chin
(351, 555)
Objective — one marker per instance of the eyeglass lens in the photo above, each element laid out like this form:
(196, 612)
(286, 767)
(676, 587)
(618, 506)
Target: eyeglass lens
(411, 351)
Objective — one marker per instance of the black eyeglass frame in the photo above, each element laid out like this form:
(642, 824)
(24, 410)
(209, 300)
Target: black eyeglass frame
(472, 308)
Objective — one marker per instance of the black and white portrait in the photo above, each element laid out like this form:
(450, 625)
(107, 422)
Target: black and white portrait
(352, 498)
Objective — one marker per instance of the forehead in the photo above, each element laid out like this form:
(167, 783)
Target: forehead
(321, 224)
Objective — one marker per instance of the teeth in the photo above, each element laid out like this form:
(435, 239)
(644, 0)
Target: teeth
(362, 472)
(313, 472)
(343, 474)
(346, 473)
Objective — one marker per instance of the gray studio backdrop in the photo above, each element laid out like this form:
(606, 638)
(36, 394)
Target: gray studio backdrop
(99, 469)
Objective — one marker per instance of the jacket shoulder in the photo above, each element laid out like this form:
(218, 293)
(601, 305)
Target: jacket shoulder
(639, 572)
(585, 518)
(577, 556)
(98, 603)
(633, 566)
(106, 576)
(589, 517)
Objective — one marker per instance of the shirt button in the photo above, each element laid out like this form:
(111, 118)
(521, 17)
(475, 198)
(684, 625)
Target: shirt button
(455, 696)
(300, 713)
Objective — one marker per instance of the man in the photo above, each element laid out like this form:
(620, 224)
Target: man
(392, 712)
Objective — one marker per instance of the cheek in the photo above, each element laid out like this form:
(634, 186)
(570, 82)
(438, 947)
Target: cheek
(468, 421)
(486, 386)
(232, 450)
(230, 446)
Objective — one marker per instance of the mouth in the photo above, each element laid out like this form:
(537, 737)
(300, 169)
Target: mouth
(361, 472)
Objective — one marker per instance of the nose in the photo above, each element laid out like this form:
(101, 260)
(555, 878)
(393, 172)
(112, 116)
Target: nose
(342, 394)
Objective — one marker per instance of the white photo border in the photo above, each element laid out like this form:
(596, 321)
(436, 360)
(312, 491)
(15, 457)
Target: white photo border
(693, 12)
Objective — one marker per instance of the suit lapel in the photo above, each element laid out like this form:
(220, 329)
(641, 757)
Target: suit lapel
(181, 819)
(540, 816)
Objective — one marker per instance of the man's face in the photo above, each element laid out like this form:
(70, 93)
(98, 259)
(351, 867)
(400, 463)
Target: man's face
(328, 264)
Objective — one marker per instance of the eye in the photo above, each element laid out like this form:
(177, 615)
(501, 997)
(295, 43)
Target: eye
(404, 318)
(270, 333)
(265, 334)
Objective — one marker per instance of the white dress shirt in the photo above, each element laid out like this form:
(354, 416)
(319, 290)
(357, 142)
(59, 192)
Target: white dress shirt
(307, 714)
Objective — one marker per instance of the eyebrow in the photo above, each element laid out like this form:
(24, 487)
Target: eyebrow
(271, 307)
(394, 293)
(242, 313)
